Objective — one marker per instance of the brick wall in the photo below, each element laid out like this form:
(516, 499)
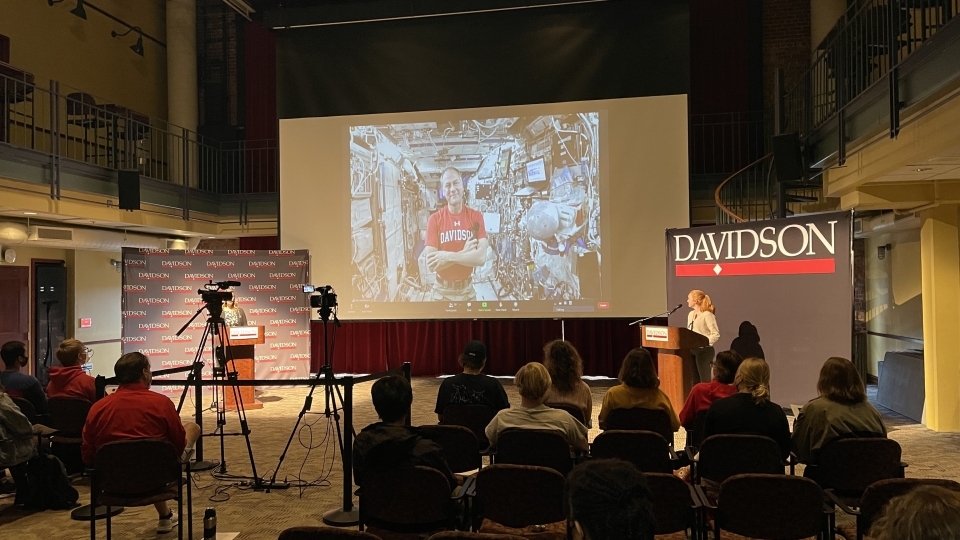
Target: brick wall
(786, 44)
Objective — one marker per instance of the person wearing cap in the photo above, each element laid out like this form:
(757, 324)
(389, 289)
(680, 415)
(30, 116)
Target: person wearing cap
(472, 387)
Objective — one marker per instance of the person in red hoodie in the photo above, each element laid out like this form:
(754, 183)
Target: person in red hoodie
(68, 379)
(703, 394)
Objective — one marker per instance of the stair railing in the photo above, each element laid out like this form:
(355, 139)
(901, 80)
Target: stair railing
(748, 194)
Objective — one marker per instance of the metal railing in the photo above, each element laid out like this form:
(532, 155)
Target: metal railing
(73, 126)
(864, 49)
(748, 194)
(721, 143)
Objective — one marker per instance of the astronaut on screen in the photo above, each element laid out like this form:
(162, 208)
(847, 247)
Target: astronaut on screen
(456, 242)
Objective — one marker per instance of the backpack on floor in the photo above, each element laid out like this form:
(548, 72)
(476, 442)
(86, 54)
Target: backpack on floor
(48, 487)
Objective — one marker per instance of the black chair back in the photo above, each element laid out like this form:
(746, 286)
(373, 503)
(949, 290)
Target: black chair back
(26, 408)
(851, 465)
(775, 507)
(464, 535)
(459, 445)
(407, 499)
(67, 415)
(695, 435)
(136, 468)
(637, 419)
(645, 449)
(519, 496)
(574, 411)
(675, 504)
(473, 417)
(722, 456)
(538, 447)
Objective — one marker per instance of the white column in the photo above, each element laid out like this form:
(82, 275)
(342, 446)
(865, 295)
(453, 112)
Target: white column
(182, 94)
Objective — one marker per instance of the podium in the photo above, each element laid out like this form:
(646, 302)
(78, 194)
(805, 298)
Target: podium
(675, 364)
(241, 345)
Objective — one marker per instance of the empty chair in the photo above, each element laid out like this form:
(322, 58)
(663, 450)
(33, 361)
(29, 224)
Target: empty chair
(407, 500)
(459, 445)
(655, 420)
(518, 496)
(67, 416)
(540, 447)
(138, 472)
(722, 456)
(574, 411)
(771, 506)
(648, 451)
(324, 533)
(676, 505)
(473, 417)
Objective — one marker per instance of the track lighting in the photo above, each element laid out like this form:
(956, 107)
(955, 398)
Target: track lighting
(136, 47)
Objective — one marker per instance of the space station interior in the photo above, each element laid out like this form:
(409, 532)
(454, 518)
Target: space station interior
(535, 179)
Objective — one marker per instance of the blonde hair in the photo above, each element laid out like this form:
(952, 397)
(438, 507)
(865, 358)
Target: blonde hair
(925, 512)
(703, 300)
(69, 351)
(532, 381)
(754, 375)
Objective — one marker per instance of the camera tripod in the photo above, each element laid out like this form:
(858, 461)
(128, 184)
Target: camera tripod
(333, 404)
(225, 371)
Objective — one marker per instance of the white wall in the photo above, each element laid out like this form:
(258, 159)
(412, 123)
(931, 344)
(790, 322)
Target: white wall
(96, 295)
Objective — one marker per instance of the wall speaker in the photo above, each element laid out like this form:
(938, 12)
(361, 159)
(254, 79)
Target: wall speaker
(129, 183)
(787, 157)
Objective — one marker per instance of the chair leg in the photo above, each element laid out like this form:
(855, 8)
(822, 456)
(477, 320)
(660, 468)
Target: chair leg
(189, 506)
(93, 522)
(109, 529)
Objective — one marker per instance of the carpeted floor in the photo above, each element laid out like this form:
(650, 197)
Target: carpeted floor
(259, 515)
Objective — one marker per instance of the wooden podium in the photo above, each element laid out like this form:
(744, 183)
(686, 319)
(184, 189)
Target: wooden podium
(242, 341)
(675, 364)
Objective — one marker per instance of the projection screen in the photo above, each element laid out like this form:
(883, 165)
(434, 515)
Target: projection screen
(548, 210)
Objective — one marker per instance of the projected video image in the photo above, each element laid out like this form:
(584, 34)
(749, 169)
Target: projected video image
(477, 209)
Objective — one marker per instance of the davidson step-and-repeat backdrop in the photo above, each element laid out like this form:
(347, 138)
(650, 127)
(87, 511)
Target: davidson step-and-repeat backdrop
(160, 295)
(784, 286)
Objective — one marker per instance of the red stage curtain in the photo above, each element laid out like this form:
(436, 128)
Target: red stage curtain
(432, 347)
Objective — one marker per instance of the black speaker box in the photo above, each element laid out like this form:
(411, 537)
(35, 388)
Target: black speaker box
(787, 158)
(129, 183)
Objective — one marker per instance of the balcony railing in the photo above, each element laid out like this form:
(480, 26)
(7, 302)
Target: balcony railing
(73, 127)
(864, 50)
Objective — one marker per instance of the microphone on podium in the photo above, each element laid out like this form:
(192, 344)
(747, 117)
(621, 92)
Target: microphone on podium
(667, 313)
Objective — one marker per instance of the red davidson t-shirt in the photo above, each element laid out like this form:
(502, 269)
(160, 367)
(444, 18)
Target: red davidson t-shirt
(449, 232)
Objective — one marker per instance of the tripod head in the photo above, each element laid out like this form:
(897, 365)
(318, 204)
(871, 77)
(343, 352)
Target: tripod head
(215, 294)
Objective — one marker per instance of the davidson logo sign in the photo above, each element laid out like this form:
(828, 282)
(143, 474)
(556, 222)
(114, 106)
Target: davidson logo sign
(794, 249)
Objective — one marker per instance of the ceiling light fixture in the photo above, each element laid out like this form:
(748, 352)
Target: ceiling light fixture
(923, 169)
(29, 213)
(136, 47)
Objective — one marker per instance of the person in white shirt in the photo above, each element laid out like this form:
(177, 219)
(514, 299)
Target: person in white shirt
(703, 321)
(532, 381)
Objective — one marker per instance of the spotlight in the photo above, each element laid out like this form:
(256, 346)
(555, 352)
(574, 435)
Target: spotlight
(79, 11)
(136, 47)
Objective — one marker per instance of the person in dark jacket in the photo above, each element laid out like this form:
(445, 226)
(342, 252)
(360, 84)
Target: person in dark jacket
(390, 443)
(747, 343)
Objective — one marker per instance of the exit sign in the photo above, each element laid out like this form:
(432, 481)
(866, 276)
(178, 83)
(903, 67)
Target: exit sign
(86, 323)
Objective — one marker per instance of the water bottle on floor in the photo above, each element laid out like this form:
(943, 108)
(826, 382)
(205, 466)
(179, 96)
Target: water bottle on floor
(210, 524)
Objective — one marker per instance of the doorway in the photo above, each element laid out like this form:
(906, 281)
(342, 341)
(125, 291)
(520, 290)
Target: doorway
(49, 315)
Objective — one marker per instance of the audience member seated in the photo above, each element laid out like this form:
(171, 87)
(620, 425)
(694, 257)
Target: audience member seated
(702, 395)
(18, 443)
(472, 387)
(925, 513)
(750, 411)
(747, 343)
(136, 412)
(14, 354)
(532, 381)
(608, 499)
(68, 379)
(390, 443)
(639, 388)
(565, 366)
(841, 410)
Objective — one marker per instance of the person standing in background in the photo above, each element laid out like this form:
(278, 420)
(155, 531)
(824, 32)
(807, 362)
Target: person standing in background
(702, 320)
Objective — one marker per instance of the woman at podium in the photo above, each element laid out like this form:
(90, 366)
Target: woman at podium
(233, 315)
(702, 320)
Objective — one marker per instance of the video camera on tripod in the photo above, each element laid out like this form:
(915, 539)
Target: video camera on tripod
(214, 294)
(324, 298)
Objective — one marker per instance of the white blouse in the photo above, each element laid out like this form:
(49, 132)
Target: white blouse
(704, 323)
